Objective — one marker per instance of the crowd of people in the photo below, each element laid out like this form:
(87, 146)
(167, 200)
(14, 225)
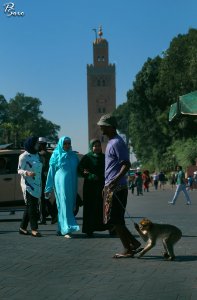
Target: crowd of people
(141, 181)
(105, 186)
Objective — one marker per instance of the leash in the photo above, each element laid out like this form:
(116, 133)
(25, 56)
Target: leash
(128, 215)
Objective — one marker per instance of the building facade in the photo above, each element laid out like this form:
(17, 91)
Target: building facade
(101, 87)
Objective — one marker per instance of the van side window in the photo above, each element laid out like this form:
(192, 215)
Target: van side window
(12, 163)
(3, 165)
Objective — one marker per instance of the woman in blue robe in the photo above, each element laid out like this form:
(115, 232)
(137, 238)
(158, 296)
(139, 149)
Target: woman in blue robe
(62, 178)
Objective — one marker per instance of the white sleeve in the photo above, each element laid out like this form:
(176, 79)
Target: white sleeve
(21, 165)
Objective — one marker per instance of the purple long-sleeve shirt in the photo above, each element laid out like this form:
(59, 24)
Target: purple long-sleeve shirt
(116, 152)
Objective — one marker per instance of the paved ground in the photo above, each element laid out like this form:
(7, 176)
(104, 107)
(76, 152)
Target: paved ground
(53, 267)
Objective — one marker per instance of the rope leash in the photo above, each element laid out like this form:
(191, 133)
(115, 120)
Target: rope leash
(128, 215)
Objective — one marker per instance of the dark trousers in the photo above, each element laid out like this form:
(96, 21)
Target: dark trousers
(119, 203)
(43, 211)
(30, 213)
(47, 208)
(139, 189)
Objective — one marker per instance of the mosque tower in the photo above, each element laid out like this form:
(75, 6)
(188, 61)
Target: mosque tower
(101, 87)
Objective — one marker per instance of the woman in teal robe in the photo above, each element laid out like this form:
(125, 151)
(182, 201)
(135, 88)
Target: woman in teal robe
(91, 168)
(62, 178)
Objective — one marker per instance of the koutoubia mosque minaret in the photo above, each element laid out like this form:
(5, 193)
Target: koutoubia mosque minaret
(101, 87)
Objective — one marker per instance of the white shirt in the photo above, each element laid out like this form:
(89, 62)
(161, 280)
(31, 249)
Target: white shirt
(33, 185)
(155, 177)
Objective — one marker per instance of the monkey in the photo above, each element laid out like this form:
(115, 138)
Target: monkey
(150, 232)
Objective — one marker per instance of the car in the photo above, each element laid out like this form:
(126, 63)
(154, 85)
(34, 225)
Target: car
(10, 188)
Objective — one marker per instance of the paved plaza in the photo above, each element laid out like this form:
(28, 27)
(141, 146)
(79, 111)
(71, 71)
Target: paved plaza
(53, 267)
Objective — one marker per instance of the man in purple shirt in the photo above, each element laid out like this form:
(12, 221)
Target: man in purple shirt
(117, 165)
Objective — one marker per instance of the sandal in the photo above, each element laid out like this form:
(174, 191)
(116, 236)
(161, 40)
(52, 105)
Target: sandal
(137, 250)
(37, 234)
(67, 236)
(23, 231)
(122, 255)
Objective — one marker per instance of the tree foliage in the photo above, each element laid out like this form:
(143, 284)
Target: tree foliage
(144, 117)
(3, 109)
(21, 117)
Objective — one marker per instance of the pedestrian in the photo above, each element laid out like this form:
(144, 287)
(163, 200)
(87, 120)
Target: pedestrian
(195, 180)
(155, 180)
(180, 186)
(62, 178)
(46, 207)
(92, 168)
(172, 179)
(131, 183)
(190, 183)
(30, 169)
(117, 165)
(139, 182)
(162, 180)
(146, 180)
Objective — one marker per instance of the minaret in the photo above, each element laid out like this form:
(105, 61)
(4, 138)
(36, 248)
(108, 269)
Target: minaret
(101, 87)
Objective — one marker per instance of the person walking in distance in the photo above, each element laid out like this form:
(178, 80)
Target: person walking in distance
(155, 180)
(162, 180)
(117, 165)
(139, 182)
(180, 186)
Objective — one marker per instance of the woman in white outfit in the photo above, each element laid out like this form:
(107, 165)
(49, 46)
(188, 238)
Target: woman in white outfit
(30, 167)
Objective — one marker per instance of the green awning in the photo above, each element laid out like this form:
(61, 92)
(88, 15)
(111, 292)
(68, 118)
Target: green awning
(173, 111)
(186, 105)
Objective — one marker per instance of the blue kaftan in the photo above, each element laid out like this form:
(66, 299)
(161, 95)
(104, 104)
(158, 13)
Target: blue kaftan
(63, 179)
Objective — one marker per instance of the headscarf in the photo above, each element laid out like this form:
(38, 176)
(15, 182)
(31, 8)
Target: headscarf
(30, 144)
(91, 145)
(59, 153)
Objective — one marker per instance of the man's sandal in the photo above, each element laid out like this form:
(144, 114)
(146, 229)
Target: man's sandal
(122, 255)
(137, 250)
(23, 231)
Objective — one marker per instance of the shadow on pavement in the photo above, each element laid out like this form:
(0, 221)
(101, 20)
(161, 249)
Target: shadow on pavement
(178, 258)
(189, 235)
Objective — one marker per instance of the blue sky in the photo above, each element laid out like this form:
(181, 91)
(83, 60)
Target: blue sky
(45, 53)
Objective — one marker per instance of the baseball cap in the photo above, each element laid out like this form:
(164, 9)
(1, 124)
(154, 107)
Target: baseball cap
(42, 140)
(108, 120)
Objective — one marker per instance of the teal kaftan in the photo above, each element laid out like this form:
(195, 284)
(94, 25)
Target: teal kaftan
(62, 177)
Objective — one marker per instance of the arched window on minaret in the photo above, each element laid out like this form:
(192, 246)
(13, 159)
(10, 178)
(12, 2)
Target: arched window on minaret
(101, 110)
